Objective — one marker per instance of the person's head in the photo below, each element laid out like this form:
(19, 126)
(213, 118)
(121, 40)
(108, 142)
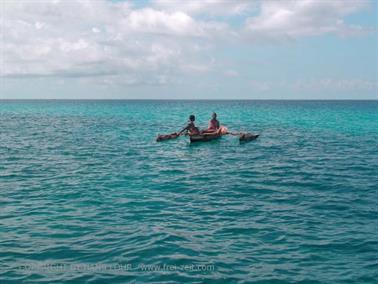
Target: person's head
(192, 118)
(214, 115)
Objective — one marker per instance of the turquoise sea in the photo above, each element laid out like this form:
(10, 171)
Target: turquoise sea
(88, 196)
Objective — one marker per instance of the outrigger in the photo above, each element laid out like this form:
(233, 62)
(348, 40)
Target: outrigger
(206, 136)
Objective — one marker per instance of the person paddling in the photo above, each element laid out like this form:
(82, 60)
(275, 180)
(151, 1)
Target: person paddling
(190, 127)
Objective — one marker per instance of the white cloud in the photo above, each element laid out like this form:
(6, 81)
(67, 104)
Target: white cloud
(156, 43)
(231, 73)
(208, 7)
(94, 38)
(152, 21)
(293, 19)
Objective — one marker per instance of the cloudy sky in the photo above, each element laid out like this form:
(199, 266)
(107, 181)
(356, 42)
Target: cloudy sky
(209, 49)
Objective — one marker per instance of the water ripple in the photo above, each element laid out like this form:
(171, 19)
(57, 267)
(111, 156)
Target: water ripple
(85, 184)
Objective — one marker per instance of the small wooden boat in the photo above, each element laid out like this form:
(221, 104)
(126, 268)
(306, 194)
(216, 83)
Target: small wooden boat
(208, 136)
(204, 136)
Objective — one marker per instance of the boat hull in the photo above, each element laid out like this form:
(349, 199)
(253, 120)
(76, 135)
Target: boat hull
(204, 137)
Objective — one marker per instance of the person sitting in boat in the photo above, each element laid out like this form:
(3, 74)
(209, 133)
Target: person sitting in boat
(214, 124)
(190, 127)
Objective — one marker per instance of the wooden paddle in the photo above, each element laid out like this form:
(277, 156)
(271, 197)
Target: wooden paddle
(163, 137)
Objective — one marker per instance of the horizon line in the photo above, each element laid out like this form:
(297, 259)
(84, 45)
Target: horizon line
(114, 99)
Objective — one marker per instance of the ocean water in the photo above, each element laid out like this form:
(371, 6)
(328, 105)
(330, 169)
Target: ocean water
(88, 196)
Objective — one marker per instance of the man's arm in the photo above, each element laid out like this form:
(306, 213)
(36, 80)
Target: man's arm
(184, 129)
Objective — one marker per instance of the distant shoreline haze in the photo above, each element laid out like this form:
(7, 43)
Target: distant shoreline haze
(197, 100)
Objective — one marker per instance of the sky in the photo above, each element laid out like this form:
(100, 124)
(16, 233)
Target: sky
(169, 49)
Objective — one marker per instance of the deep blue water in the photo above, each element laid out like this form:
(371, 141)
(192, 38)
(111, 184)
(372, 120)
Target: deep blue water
(88, 196)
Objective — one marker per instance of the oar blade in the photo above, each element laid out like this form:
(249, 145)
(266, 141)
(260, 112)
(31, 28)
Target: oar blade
(163, 137)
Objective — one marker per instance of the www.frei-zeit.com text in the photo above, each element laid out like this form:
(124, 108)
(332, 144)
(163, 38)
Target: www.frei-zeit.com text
(56, 267)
